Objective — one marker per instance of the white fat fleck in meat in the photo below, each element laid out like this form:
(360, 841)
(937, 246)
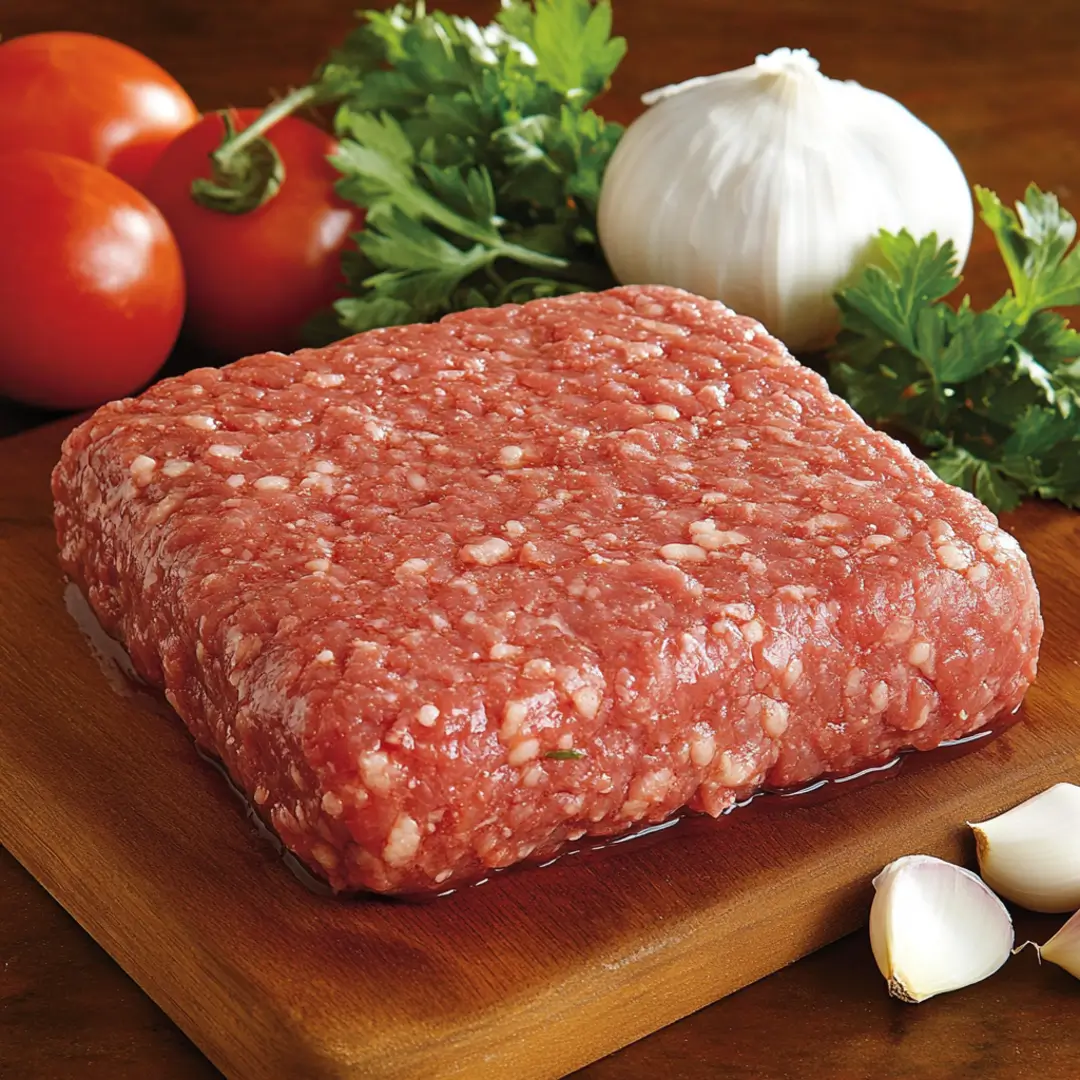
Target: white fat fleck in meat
(375, 771)
(683, 553)
(514, 529)
(324, 379)
(260, 795)
(918, 717)
(876, 540)
(899, 631)
(774, 714)
(827, 523)
(586, 701)
(325, 855)
(142, 470)
(978, 573)
(175, 468)
(416, 481)
(879, 696)
(403, 842)
(951, 557)
(703, 750)
(236, 480)
(532, 775)
(523, 751)
(325, 656)
(753, 631)
(511, 457)
(332, 805)
(714, 539)
(919, 653)
(514, 716)
(200, 422)
(665, 412)
(501, 651)
(752, 563)
(427, 715)
(224, 450)
(792, 673)
(414, 566)
(798, 593)
(742, 612)
(487, 552)
(272, 483)
(854, 681)
(985, 542)
(537, 669)
(317, 566)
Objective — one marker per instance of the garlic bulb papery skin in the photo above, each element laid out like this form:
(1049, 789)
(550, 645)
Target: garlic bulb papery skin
(1063, 948)
(1031, 854)
(765, 188)
(935, 927)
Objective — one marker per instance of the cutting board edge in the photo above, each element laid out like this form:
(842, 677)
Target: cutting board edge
(832, 913)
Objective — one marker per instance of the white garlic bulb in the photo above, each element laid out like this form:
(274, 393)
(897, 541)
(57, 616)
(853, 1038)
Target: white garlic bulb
(765, 188)
(1031, 853)
(935, 927)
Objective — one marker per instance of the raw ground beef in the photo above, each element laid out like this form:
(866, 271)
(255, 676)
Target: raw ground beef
(445, 597)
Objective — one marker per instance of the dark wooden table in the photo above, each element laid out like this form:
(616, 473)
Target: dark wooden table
(997, 78)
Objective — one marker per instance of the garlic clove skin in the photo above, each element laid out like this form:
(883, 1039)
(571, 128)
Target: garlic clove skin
(1031, 854)
(765, 188)
(935, 927)
(1063, 948)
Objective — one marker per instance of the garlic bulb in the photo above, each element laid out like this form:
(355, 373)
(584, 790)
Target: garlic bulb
(935, 927)
(765, 187)
(1031, 854)
(1063, 948)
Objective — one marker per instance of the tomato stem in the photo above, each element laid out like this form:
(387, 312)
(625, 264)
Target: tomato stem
(237, 143)
(247, 170)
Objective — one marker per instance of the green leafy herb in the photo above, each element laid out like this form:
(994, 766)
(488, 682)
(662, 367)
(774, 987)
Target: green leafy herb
(565, 755)
(474, 153)
(992, 396)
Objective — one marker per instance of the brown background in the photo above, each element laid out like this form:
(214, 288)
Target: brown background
(998, 79)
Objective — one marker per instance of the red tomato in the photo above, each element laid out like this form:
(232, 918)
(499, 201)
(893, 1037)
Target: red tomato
(91, 284)
(91, 98)
(255, 278)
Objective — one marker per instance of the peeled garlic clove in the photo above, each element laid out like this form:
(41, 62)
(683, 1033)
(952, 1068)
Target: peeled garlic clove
(1063, 948)
(1031, 854)
(935, 927)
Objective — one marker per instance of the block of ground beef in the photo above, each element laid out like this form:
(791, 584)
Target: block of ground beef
(445, 597)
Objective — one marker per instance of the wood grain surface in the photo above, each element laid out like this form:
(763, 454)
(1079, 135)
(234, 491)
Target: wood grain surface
(997, 79)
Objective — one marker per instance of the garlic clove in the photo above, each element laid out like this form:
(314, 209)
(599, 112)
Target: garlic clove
(1063, 948)
(935, 927)
(1031, 854)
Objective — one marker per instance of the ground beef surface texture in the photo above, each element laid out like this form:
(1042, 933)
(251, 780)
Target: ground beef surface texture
(445, 597)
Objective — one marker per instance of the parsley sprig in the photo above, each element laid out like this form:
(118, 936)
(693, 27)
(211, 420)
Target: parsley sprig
(474, 153)
(992, 396)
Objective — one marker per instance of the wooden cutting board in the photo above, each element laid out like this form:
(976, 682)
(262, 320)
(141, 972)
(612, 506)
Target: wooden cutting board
(531, 975)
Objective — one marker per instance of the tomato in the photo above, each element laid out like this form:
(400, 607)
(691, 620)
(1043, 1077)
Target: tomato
(91, 284)
(91, 98)
(255, 278)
